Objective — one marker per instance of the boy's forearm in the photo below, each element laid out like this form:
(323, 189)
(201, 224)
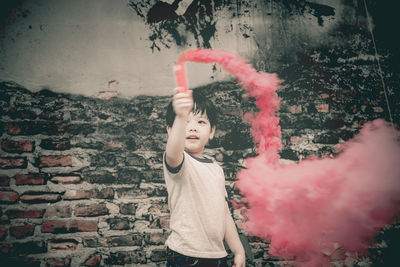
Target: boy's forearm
(176, 142)
(232, 236)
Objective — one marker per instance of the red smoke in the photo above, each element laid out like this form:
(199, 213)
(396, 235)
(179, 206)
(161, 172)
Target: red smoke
(306, 208)
(260, 85)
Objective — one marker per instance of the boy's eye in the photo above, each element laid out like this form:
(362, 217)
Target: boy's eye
(202, 122)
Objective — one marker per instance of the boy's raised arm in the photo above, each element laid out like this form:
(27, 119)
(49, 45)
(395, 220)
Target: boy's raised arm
(182, 104)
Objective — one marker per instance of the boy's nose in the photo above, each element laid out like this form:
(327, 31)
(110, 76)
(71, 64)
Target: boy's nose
(191, 127)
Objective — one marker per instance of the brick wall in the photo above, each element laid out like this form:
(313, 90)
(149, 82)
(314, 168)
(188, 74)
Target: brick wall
(81, 180)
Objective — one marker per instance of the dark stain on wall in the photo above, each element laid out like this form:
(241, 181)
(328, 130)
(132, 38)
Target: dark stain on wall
(10, 10)
(199, 19)
(304, 7)
(385, 18)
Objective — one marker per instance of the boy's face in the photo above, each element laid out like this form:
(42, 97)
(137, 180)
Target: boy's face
(198, 132)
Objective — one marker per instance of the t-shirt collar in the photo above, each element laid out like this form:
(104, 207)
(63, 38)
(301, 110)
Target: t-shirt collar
(205, 160)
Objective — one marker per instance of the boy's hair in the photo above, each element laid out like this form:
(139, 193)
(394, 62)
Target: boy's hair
(200, 105)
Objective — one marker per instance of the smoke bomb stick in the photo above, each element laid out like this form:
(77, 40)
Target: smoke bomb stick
(180, 74)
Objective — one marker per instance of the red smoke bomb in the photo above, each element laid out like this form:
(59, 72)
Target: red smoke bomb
(180, 74)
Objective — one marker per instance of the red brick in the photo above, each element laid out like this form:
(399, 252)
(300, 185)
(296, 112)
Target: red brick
(33, 128)
(324, 108)
(4, 180)
(52, 128)
(159, 207)
(22, 231)
(92, 210)
(52, 116)
(3, 233)
(39, 197)
(93, 260)
(77, 194)
(135, 160)
(72, 179)
(63, 244)
(13, 163)
(105, 193)
(136, 193)
(156, 238)
(13, 128)
(323, 96)
(160, 223)
(235, 112)
(378, 109)
(58, 262)
(55, 161)
(113, 146)
(297, 140)
(114, 241)
(8, 197)
(128, 208)
(30, 179)
(22, 114)
(59, 212)
(23, 128)
(101, 177)
(34, 247)
(295, 109)
(118, 223)
(21, 214)
(164, 222)
(17, 146)
(60, 144)
(5, 248)
(70, 226)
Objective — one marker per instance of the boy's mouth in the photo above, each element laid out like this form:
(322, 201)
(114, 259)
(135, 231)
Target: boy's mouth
(192, 137)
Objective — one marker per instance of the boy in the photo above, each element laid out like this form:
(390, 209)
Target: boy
(200, 217)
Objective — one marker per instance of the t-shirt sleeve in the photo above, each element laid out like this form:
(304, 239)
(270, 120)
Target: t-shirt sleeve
(171, 169)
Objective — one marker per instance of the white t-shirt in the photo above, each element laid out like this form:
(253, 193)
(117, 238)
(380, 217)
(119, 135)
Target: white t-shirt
(196, 199)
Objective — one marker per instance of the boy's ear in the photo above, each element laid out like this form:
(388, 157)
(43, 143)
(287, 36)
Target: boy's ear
(168, 129)
(212, 132)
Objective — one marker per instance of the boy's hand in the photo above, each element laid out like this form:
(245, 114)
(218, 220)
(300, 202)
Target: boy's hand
(182, 102)
(239, 260)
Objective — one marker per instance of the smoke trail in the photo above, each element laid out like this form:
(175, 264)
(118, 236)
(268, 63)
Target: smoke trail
(305, 208)
(260, 85)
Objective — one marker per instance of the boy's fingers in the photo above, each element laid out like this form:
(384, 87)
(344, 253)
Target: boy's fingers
(177, 89)
(180, 98)
(183, 95)
(180, 90)
(183, 104)
(183, 100)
